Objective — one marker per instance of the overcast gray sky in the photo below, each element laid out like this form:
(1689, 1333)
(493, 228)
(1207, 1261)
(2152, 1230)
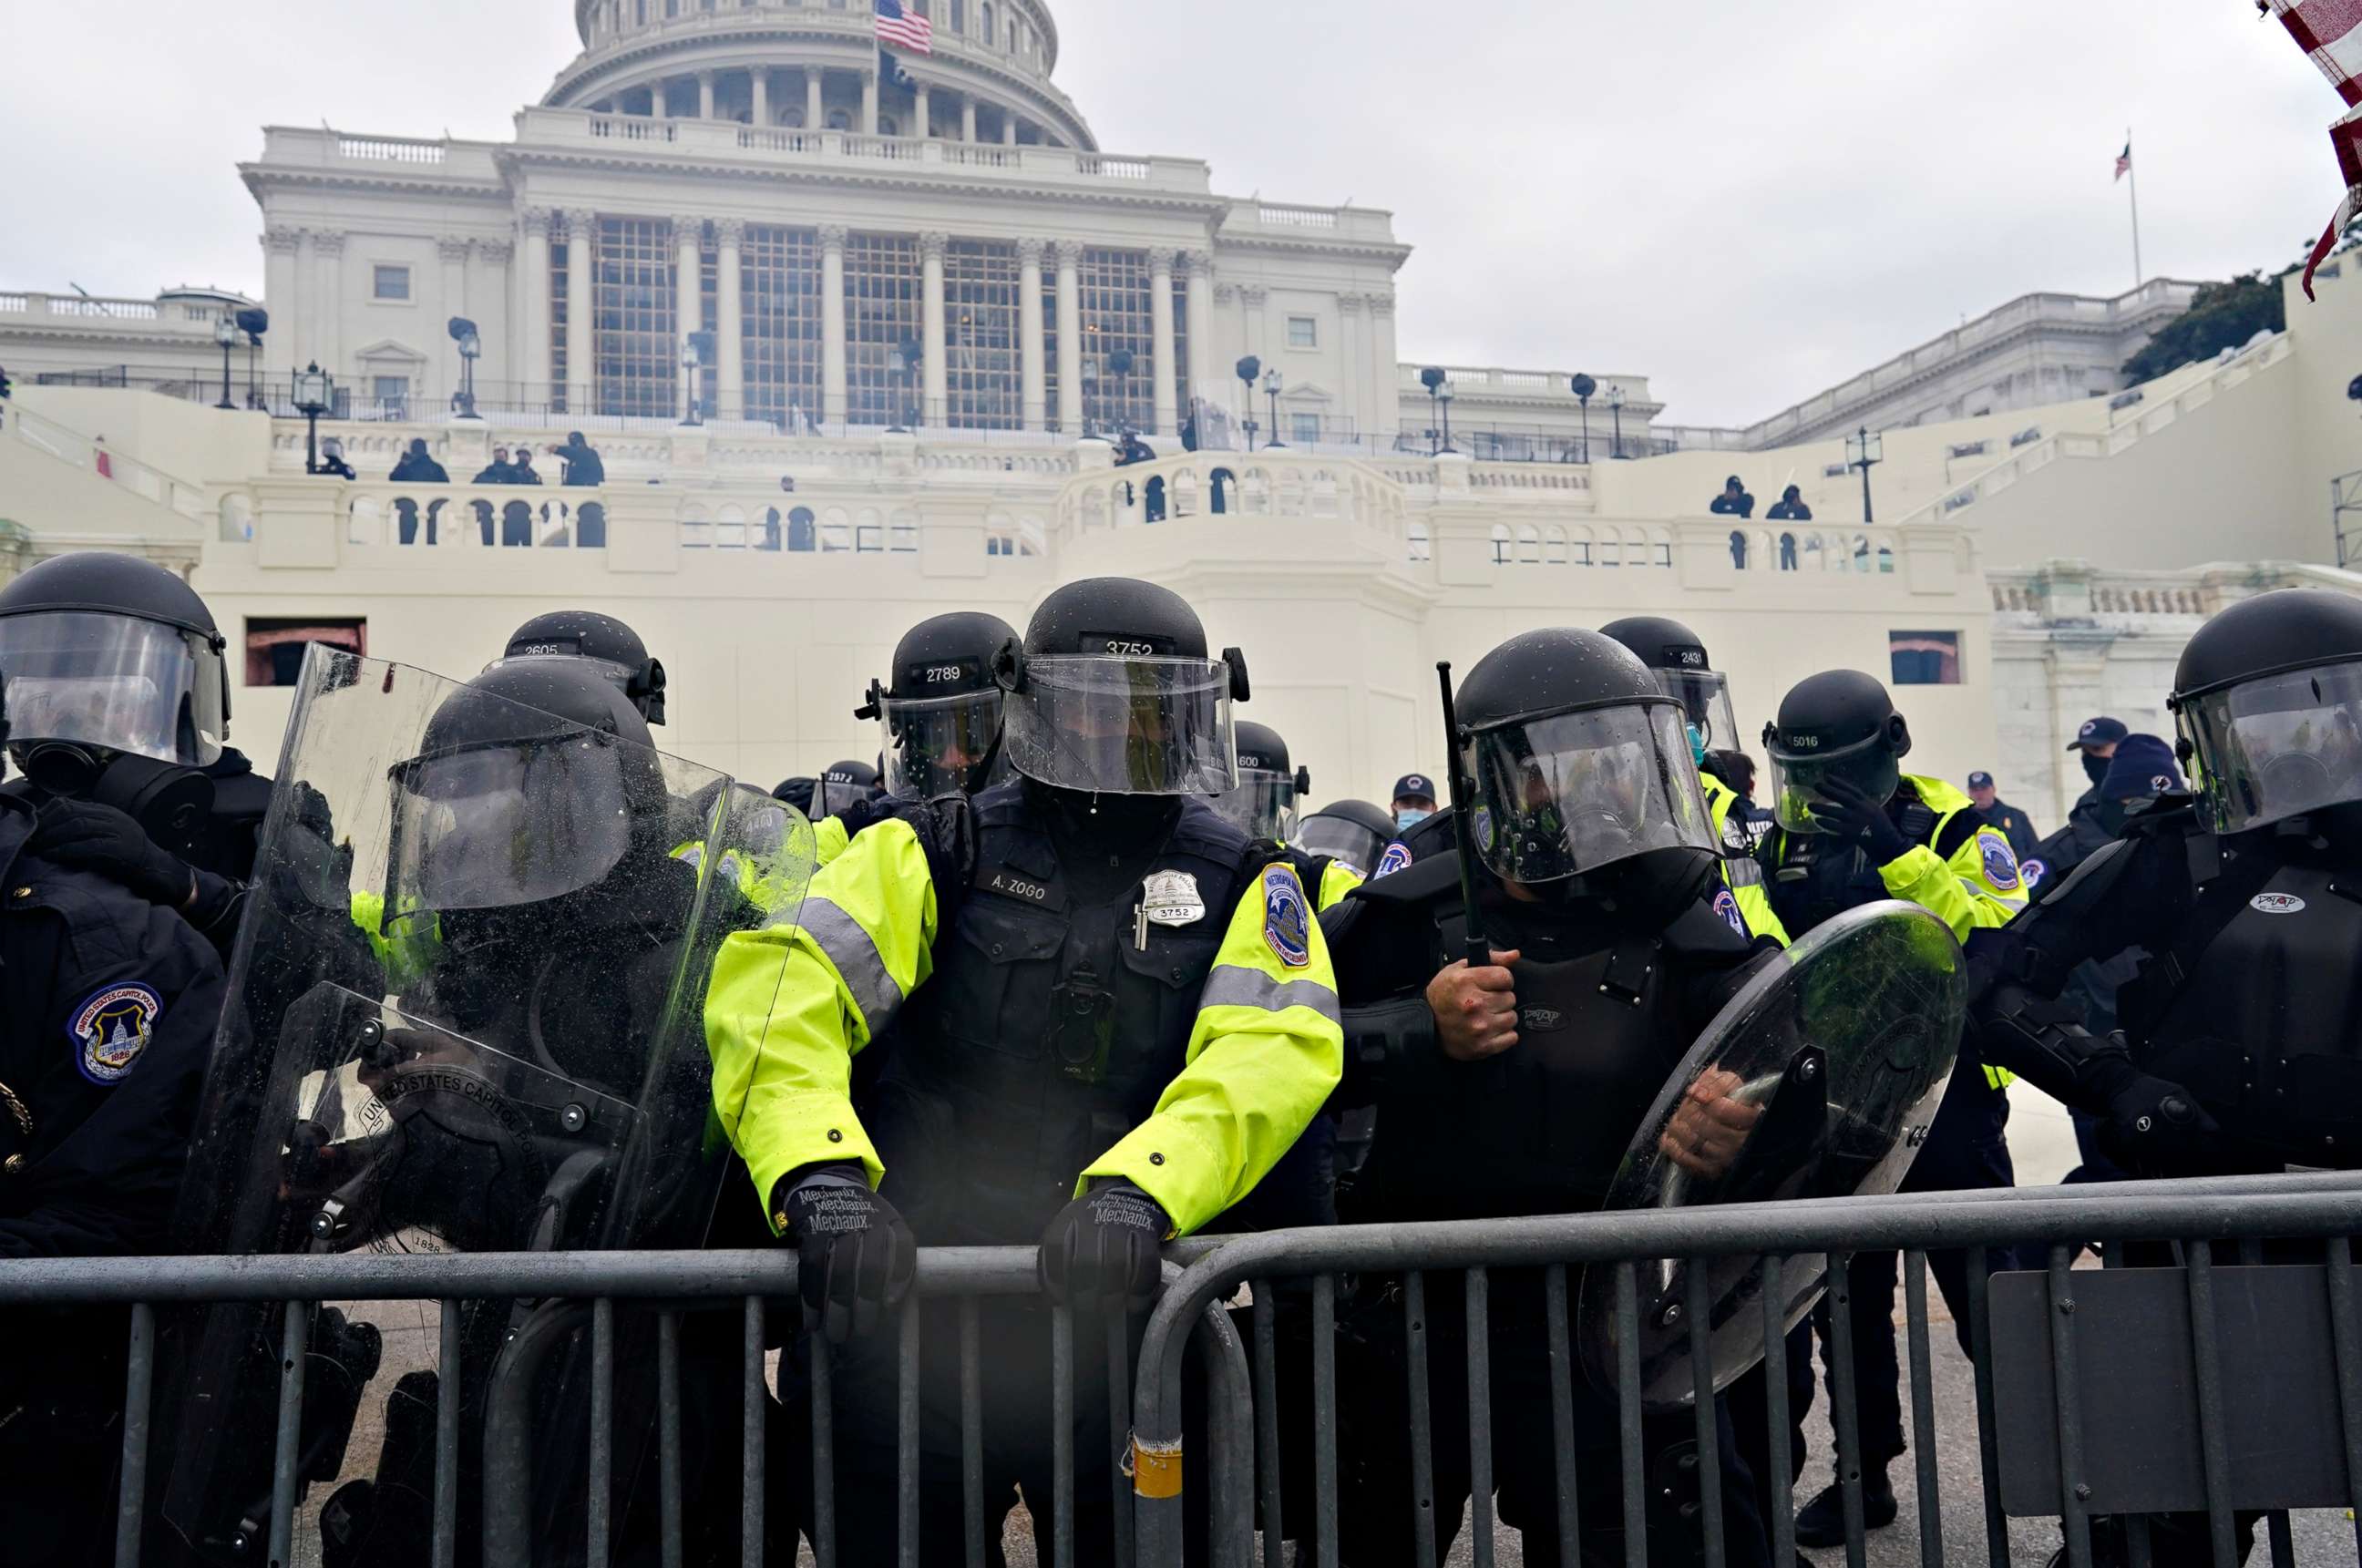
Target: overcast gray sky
(1746, 200)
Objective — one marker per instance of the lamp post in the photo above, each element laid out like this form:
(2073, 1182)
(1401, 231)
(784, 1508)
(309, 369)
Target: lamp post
(225, 335)
(690, 365)
(1121, 363)
(1248, 370)
(471, 345)
(1090, 398)
(1865, 451)
(316, 389)
(1582, 386)
(1434, 381)
(898, 370)
(1616, 406)
(1272, 387)
(254, 321)
(1443, 396)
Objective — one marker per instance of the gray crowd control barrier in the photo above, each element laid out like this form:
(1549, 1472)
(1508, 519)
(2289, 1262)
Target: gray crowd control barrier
(2208, 1376)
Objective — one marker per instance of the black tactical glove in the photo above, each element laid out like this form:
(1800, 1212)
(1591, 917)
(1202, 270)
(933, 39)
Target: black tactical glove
(1102, 1251)
(854, 1257)
(1847, 812)
(2151, 1121)
(91, 837)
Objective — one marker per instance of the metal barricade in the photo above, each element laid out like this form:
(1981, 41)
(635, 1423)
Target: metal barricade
(2057, 1432)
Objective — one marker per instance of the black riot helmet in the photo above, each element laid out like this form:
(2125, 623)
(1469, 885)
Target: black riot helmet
(603, 641)
(120, 687)
(1578, 762)
(1675, 652)
(2267, 698)
(1839, 724)
(1353, 832)
(1112, 692)
(942, 713)
(840, 787)
(1269, 793)
(532, 781)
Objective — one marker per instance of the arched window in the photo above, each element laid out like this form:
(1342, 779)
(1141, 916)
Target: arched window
(840, 119)
(984, 15)
(1787, 552)
(959, 15)
(802, 530)
(888, 125)
(1737, 550)
(1224, 483)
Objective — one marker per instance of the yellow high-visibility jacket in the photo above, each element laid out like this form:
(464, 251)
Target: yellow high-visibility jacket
(1740, 873)
(790, 1005)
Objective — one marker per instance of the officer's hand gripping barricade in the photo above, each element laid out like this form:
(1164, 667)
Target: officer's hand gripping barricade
(465, 1016)
(1819, 1079)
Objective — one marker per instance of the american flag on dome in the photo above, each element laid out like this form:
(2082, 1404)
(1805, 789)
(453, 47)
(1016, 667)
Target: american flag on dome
(2330, 33)
(898, 24)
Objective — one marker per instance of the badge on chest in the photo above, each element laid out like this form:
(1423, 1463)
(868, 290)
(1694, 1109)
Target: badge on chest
(1171, 897)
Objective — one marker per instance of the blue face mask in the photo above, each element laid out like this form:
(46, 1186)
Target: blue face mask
(1408, 818)
(1697, 746)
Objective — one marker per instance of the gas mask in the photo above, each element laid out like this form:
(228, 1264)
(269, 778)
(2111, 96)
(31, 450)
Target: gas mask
(171, 803)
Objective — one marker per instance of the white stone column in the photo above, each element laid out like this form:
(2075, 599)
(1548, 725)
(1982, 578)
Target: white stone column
(328, 341)
(869, 103)
(1070, 339)
(1162, 369)
(832, 323)
(705, 94)
(815, 106)
(581, 311)
(931, 319)
(761, 78)
(1008, 127)
(1252, 301)
(451, 250)
(1030, 346)
(728, 322)
(489, 265)
(1386, 413)
(531, 334)
(1201, 319)
(967, 118)
(921, 111)
(283, 294)
(688, 299)
(1353, 359)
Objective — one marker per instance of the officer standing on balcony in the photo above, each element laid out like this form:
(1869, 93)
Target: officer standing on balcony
(1852, 828)
(122, 733)
(1513, 1088)
(107, 1009)
(1103, 1013)
(1675, 652)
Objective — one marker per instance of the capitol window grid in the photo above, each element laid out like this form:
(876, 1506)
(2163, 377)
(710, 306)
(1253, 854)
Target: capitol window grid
(637, 337)
(1115, 315)
(983, 373)
(779, 270)
(391, 281)
(561, 297)
(881, 311)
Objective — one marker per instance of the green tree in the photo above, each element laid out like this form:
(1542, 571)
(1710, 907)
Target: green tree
(2222, 316)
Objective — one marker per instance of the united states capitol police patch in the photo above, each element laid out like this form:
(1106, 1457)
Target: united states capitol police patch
(2000, 861)
(1396, 856)
(1286, 921)
(1726, 904)
(112, 1028)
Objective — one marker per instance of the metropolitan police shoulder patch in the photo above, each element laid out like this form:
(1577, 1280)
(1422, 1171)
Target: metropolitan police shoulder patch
(2001, 860)
(112, 1028)
(1286, 919)
(2034, 871)
(1396, 856)
(1726, 904)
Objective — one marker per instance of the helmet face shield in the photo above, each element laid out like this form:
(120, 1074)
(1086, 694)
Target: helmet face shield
(113, 683)
(1705, 697)
(1797, 780)
(1570, 794)
(496, 827)
(2265, 750)
(1344, 840)
(1143, 726)
(941, 745)
(1263, 805)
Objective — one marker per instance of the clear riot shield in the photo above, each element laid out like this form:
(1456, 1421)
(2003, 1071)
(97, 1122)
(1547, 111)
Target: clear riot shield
(465, 1016)
(1819, 1079)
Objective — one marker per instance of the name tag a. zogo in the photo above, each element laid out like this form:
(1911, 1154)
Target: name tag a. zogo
(1171, 897)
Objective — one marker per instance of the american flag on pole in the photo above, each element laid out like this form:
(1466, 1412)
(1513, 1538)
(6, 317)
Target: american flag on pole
(2124, 161)
(898, 24)
(2330, 33)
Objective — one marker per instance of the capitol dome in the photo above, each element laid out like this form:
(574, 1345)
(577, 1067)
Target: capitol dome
(812, 65)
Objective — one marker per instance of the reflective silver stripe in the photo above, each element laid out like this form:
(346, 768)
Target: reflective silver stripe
(1743, 871)
(854, 953)
(1234, 985)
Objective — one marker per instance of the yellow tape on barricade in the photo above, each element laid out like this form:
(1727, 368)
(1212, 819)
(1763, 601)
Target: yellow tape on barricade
(1154, 1469)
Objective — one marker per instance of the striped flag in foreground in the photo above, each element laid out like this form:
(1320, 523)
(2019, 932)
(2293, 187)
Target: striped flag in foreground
(898, 24)
(2330, 33)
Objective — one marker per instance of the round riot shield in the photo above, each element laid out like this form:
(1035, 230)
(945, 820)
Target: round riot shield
(465, 1015)
(1819, 1079)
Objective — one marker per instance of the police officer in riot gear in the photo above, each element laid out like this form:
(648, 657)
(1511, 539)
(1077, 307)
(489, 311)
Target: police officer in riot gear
(1852, 828)
(1513, 1088)
(122, 727)
(842, 786)
(107, 1009)
(1265, 804)
(1350, 832)
(942, 714)
(608, 645)
(1103, 1014)
(1675, 652)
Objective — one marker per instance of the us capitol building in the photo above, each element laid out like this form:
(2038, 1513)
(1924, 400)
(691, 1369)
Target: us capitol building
(861, 336)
